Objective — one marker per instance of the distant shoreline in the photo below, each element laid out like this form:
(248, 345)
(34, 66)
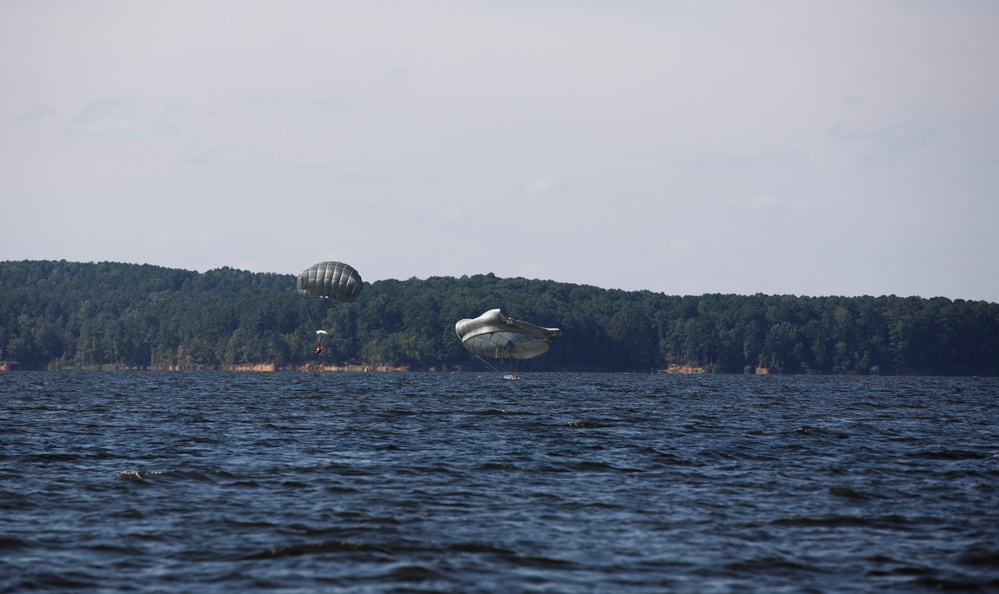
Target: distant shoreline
(259, 367)
(351, 368)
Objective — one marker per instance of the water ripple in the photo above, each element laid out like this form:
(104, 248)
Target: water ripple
(178, 482)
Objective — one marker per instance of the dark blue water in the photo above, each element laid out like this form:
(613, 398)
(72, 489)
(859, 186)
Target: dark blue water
(349, 482)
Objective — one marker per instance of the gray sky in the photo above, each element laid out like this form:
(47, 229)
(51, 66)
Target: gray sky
(807, 148)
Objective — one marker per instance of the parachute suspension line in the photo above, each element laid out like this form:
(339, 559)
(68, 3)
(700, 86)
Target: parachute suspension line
(490, 365)
(315, 320)
(510, 366)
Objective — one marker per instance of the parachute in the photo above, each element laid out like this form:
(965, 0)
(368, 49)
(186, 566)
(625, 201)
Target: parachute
(332, 280)
(327, 280)
(496, 336)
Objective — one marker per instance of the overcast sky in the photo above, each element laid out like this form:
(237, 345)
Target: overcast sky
(807, 148)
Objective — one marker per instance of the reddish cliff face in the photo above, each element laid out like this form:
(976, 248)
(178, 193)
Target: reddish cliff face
(256, 367)
(684, 369)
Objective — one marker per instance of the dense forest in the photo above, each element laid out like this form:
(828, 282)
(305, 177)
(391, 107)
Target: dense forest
(65, 315)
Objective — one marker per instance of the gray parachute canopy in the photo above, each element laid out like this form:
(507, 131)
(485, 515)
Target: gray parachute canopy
(495, 335)
(331, 279)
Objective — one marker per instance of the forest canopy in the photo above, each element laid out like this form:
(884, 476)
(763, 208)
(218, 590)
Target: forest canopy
(65, 315)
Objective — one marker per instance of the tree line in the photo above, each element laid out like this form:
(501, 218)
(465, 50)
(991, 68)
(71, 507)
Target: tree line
(61, 315)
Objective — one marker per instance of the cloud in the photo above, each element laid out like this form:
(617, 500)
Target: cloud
(330, 103)
(449, 214)
(323, 166)
(115, 117)
(173, 111)
(219, 155)
(265, 102)
(874, 162)
(898, 138)
(296, 106)
(543, 184)
(182, 237)
(763, 200)
(36, 114)
(759, 201)
(992, 163)
(724, 161)
(851, 100)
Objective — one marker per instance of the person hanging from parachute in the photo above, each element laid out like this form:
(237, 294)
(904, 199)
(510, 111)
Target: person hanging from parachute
(321, 336)
(327, 280)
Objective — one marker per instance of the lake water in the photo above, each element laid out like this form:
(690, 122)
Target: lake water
(422, 482)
